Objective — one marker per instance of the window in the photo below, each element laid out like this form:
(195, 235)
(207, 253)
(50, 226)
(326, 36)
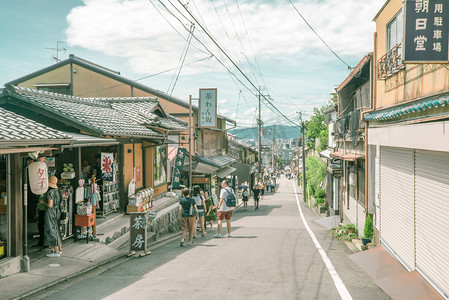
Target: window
(394, 31)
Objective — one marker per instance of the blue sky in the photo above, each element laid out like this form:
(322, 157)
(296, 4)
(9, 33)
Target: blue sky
(268, 41)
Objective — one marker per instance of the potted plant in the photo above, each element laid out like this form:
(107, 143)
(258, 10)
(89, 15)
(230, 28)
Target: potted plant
(368, 231)
(351, 228)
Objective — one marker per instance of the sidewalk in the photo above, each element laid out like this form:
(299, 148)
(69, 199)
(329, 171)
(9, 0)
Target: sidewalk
(77, 258)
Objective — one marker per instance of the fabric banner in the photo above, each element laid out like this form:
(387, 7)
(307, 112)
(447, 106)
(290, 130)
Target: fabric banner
(179, 165)
(107, 160)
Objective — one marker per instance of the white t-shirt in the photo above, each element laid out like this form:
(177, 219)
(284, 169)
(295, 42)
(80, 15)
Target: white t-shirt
(223, 195)
(199, 202)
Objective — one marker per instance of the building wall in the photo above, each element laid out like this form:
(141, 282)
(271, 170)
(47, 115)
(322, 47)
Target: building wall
(416, 80)
(355, 214)
(59, 75)
(87, 83)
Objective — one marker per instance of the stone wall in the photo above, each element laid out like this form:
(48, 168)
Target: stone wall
(167, 221)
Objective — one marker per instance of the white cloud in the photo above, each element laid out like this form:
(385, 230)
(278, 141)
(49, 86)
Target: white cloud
(136, 30)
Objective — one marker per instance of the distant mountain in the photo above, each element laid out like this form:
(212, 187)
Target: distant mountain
(281, 132)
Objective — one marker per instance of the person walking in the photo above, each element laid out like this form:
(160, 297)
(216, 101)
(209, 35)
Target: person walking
(200, 204)
(256, 194)
(210, 210)
(262, 189)
(187, 220)
(224, 211)
(52, 236)
(245, 198)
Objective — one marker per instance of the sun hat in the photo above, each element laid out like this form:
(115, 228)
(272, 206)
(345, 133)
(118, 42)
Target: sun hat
(52, 181)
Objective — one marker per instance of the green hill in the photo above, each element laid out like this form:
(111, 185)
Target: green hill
(281, 132)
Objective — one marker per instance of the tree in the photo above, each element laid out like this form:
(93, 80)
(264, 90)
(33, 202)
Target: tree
(317, 129)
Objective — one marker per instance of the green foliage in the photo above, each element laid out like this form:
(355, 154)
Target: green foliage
(341, 233)
(316, 128)
(315, 176)
(368, 231)
(350, 226)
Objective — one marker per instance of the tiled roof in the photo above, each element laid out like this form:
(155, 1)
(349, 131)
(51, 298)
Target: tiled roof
(111, 74)
(219, 161)
(92, 114)
(142, 111)
(14, 127)
(406, 109)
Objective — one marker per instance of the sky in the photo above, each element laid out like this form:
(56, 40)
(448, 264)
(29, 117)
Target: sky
(151, 41)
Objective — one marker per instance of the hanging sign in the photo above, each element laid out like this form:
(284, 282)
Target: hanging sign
(179, 165)
(38, 174)
(208, 108)
(106, 166)
(426, 34)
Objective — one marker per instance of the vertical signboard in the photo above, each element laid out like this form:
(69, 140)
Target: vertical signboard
(138, 228)
(179, 165)
(208, 108)
(426, 36)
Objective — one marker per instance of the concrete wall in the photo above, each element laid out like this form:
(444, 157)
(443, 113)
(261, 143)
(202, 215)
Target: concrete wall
(355, 214)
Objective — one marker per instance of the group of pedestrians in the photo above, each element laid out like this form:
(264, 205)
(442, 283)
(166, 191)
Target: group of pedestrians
(258, 191)
(199, 207)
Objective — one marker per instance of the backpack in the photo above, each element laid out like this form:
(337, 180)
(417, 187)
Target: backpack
(230, 199)
(192, 211)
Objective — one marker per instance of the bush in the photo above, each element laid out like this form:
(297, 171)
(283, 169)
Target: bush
(368, 231)
(315, 176)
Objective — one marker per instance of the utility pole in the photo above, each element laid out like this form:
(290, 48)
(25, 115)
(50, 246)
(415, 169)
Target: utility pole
(303, 159)
(272, 153)
(259, 122)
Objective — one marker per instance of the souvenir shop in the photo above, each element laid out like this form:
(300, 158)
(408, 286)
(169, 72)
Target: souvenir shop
(89, 184)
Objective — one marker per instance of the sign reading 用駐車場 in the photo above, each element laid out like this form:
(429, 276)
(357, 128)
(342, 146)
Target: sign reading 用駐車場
(426, 35)
(207, 108)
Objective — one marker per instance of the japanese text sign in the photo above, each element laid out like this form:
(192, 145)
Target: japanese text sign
(107, 160)
(179, 165)
(138, 230)
(426, 31)
(38, 175)
(207, 108)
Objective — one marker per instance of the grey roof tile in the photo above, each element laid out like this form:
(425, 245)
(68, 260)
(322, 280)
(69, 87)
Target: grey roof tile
(17, 127)
(106, 116)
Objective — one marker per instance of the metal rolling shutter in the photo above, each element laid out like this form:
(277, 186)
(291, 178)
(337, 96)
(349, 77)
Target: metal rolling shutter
(432, 216)
(396, 203)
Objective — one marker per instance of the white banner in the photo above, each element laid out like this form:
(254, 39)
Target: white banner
(208, 108)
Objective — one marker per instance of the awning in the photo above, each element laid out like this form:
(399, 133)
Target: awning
(400, 111)
(347, 156)
(201, 168)
(84, 140)
(326, 154)
(225, 172)
(25, 150)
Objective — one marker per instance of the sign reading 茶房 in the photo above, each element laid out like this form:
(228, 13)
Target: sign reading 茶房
(207, 108)
(426, 36)
(138, 228)
(179, 165)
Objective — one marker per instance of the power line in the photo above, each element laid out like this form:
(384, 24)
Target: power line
(232, 61)
(349, 67)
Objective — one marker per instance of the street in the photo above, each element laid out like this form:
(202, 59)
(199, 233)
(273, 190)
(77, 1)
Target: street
(270, 256)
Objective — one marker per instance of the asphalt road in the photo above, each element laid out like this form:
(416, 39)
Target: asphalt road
(270, 256)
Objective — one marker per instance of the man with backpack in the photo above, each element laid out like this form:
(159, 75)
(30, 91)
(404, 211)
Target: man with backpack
(225, 207)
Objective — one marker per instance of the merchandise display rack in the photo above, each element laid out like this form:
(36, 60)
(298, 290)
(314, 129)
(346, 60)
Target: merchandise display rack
(110, 201)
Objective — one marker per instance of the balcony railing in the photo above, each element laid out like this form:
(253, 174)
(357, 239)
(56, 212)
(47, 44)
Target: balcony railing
(390, 63)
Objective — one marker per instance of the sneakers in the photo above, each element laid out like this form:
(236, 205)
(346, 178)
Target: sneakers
(53, 255)
(182, 244)
(191, 243)
(229, 236)
(217, 236)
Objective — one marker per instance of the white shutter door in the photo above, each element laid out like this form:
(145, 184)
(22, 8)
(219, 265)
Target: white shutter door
(432, 216)
(396, 203)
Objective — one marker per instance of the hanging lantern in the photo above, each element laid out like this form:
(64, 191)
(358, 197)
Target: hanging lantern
(38, 175)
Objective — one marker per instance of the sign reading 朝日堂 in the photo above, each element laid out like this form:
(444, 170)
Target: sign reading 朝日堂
(208, 108)
(426, 36)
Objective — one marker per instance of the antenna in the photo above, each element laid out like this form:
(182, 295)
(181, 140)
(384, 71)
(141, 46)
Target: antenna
(58, 48)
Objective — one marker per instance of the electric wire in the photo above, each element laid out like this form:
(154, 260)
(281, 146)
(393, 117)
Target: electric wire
(232, 61)
(318, 34)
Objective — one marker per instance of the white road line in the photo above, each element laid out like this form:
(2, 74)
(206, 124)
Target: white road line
(344, 294)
